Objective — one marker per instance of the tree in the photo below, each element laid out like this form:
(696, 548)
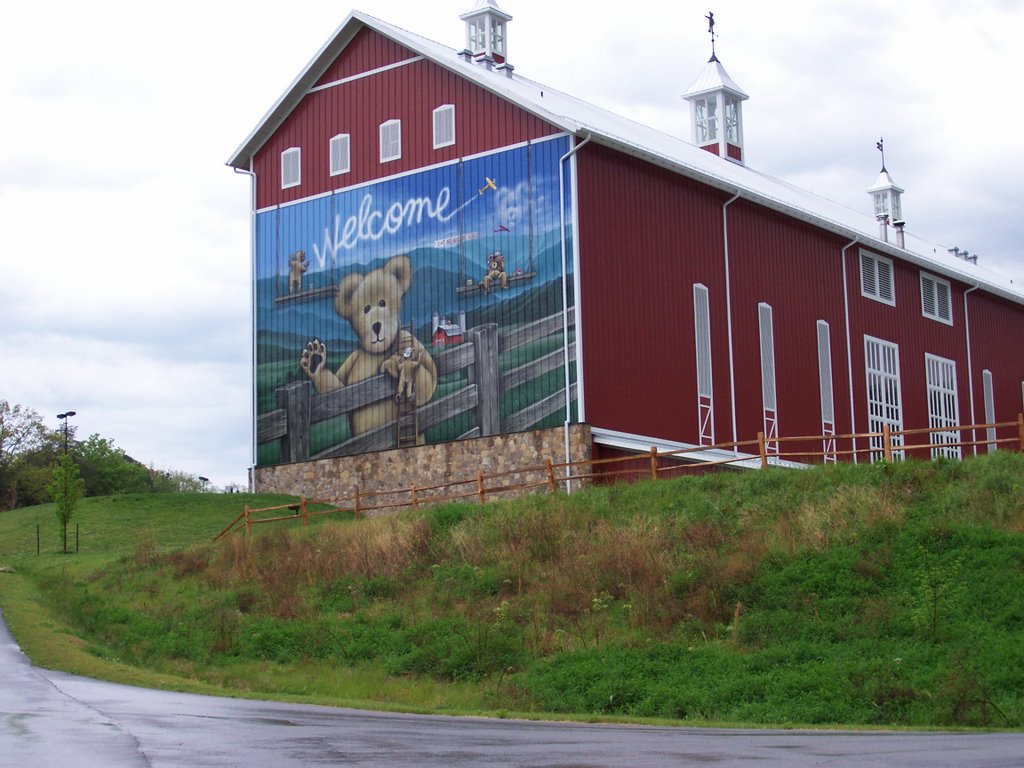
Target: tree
(22, 435)
(66, 488)
(107, 469)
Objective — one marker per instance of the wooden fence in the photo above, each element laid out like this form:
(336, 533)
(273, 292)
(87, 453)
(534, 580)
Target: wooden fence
(888, 445)
(476, 361)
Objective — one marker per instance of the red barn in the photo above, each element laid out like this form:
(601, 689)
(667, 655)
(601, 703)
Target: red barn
(665, 292)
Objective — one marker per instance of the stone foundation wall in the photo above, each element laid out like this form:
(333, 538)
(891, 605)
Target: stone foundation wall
(430, 465)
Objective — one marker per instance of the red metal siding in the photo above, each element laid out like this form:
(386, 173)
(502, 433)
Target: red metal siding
(797, 270)
(367, 51)
(408, 93)
(646, 236)
(997, 344)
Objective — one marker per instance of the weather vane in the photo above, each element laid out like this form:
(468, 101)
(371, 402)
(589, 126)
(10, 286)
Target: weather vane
(880, 146)
(711, 31)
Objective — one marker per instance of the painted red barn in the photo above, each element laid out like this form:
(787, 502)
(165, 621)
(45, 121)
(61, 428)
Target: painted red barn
(703, 302)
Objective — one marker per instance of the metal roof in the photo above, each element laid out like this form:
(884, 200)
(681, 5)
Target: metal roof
(582, 119)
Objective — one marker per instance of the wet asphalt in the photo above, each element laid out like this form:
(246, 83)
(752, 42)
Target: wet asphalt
(55, 719)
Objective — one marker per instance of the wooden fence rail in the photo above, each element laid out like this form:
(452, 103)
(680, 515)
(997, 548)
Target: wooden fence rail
(552, 475)
(476, 361)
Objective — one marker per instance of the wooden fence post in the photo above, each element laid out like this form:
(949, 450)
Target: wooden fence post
(762, 449)
(480, 484)
(484, 373)
(887, 443)
(654, 462)
(415, 502)
(248, 523)
(296, 399)
(355, 508)
(304, 512)
(1020, 429)
(551, 476)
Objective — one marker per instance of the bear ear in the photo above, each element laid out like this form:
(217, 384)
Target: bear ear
(346, 290)
(401, 268)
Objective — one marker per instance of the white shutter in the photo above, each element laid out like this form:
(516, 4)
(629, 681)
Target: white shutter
(767, 334)
(828, 416)
(291, 167)
(444, 126)
(390, 140)
(928, 296)
(702, 341)
(868, 276)
(769, 406)
(990, 408)
(885, 287)
(341, 161)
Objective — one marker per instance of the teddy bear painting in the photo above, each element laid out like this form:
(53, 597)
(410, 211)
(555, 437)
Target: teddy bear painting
(495, 272)
(372, 304)
(297, 266)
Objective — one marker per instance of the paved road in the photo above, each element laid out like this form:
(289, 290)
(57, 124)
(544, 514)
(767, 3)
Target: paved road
(56, 719)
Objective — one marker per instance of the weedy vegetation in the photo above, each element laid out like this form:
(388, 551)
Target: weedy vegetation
(855, 595)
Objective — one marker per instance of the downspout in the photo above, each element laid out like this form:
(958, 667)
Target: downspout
(252, 322)
(728, 318)
(970, 370)
(849, 349)
(565, 303)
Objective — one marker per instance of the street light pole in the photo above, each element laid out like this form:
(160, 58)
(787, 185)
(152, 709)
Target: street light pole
(65, 417)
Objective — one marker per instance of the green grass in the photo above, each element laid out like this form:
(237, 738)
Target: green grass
(846, 595)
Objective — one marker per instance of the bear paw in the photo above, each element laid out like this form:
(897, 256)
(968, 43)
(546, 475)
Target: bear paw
(313, 357)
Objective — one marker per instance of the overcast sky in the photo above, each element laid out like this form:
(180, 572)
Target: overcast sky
(125, 243)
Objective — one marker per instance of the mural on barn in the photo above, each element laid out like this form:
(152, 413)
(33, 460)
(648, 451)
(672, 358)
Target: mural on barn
(422, 308)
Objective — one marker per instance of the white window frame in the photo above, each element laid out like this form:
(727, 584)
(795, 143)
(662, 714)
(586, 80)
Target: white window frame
(943, 406)
(390, 141)
(444, 126)
(936, 298)
(877, 278)
(769, 402)
(705, 384)
(705, 115)
(291, 167)
(884, 401)
(828, 411)
(990, 408)
(340, 154)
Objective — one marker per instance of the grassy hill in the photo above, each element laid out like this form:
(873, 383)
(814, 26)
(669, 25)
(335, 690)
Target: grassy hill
(868, 595)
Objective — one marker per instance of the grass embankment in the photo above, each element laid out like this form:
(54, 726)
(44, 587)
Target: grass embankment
(873, 595)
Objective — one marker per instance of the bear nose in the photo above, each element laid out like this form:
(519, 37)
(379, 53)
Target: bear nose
(376, 328)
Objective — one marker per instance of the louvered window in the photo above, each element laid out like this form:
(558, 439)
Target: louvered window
(444, 126)
(390, 141)
(876, 278)
(935, 301)
(291, 167)
(341, 160)
(990, 408)
(943, 406)
(766, 330)
(705, 391)
(828, 415)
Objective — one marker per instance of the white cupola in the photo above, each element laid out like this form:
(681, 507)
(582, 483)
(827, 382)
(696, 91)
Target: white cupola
(716, 108)
(486, 32)
(885, 196)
